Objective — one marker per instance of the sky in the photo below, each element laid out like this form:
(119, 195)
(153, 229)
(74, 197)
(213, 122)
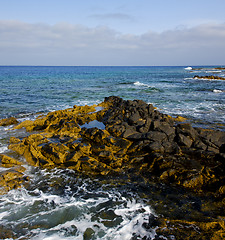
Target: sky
(119, 32)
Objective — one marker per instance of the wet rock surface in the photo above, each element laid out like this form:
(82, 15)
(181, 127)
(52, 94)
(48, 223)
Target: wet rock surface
(142, 146)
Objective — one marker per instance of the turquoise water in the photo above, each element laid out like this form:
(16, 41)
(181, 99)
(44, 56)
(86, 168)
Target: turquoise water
(59, 204)
(27, 90)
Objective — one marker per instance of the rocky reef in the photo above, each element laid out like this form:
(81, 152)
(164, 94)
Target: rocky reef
(210, 77)
(133, 141)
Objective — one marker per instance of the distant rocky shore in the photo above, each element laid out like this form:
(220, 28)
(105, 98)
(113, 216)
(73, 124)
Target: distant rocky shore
(210, 77)
(134, 140)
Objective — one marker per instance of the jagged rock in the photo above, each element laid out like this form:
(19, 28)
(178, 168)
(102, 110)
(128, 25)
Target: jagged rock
(183, 140)
(187, 130)
(155, 136)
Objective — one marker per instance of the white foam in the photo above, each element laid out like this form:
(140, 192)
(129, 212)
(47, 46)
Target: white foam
(217, 91)
(133, 215)
(3, 149)
(37, 206)
(188, 68)
(87, 102)
(141, 84)
(213, 71)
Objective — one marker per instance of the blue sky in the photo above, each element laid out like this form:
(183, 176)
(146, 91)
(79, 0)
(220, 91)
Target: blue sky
(100, 32)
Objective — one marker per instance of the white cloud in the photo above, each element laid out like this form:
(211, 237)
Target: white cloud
(67, 44)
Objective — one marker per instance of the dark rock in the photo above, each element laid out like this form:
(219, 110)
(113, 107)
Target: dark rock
(150, 109)
(152, 222)
(183, 140)
(155, 136)
(164, 127)
(187, 130)
(156, 147)
(221, 158)
(145, 128)
(88, 234)
(213, 138)
(136, 136)
(199, 145)
(222, 148)
(171, 147)
(135, 117)
(128, 132)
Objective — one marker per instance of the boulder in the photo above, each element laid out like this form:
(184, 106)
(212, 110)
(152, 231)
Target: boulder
(8, 121)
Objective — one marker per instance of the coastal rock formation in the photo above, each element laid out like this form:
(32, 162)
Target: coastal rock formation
(210, 77)
(134, 140)
(135, 137)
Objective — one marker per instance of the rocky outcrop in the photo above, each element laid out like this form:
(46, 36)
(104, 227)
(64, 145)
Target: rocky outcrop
(210, 77)
(135, 141)
(8, 121)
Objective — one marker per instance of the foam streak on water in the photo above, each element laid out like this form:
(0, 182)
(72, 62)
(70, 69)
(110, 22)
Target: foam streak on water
(75, 209)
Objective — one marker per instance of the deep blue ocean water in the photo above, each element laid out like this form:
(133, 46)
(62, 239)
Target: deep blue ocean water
(58, 204)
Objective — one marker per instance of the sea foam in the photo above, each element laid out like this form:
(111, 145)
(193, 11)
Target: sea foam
(217, 91)
(188, 68)
(141, 84)
(80, 209)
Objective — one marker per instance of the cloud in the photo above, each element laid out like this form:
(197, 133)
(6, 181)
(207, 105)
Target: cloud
(67, 44)
(113, 16)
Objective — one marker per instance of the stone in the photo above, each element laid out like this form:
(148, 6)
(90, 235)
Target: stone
(8, 121)
(183, 140)
(134, 118)
(136, 136)
(222, 148)
(152, 222)
(128, 132)
(187, 130)
(11, 179)
(155, 136)
(88, 234)
(210, 77)
(8, 162)
(156, 147)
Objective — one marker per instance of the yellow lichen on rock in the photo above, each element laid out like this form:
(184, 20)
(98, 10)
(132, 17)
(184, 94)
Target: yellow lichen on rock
(11, 179)
(180, 119)
(25, 124)
(8, 121)
(8, 162)
(189, 230)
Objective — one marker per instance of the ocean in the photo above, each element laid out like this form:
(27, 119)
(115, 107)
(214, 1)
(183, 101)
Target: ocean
(59, 204)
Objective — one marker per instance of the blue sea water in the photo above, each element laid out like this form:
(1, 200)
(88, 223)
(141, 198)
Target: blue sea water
(27, 90)
(58, 204)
